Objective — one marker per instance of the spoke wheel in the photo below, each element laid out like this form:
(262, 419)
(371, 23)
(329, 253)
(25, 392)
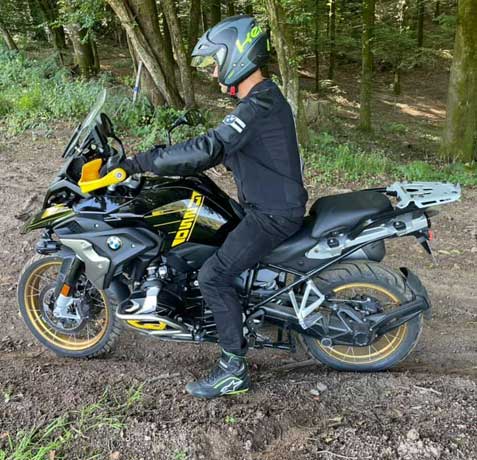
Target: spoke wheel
(387, 289)
(385, 345)
(88, 332)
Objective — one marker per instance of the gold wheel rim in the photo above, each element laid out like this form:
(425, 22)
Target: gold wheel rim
(377, 351)
(56, 338)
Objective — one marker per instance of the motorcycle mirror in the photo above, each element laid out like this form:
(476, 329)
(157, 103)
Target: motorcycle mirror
(193, 117)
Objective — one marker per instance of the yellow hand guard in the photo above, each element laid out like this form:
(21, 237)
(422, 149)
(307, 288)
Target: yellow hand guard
(90, 179)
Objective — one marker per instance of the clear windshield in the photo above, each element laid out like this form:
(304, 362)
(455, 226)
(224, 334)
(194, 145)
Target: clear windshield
(83, 131)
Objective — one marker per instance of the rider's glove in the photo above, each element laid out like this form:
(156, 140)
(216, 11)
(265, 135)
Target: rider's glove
(130, 165)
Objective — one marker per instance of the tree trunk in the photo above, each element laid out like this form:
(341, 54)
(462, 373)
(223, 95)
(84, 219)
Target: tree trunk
(147, 85)
(286, 54)
(401, 18)
(332, 38)
(420, 22)
(230, 8)
(84, 52)
(437, 10)
(194, 21)
(366, 66)
(317, 45)
(50, 14)
(397, 81)
(205, 22)
(139, 19)
(168, 48)
(94, 49)
(11, 45)
(459, 141)
(36, 20)
(180, 52)
(215, 12)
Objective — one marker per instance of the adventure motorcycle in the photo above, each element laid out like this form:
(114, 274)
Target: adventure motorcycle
(128, 249)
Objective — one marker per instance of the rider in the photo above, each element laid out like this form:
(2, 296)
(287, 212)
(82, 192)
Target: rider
(258, 143)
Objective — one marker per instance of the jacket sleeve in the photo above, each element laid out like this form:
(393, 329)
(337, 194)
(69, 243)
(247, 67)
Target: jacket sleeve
(208, 150)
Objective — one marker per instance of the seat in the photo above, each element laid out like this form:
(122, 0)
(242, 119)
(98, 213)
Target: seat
(295, 246)
(343, 212)
(328, 214)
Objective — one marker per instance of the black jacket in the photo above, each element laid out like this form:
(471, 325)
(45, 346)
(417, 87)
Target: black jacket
(257, 142)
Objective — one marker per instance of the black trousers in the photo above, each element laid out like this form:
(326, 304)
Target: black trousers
(253, 238)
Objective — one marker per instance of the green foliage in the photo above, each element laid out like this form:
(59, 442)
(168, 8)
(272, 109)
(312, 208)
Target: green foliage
(53, 438)
(328, 161)
(180, 455)
(87, 14)
(231, 420)
(33, 93)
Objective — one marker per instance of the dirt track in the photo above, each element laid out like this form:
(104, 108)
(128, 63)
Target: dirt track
(426, 408)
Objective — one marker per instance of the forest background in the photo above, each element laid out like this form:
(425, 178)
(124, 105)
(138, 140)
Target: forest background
(382, 91)
(379, 88)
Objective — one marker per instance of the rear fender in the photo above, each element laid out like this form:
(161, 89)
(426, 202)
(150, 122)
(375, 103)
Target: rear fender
(419, 291)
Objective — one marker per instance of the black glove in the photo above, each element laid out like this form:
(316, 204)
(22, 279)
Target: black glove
(130, 165)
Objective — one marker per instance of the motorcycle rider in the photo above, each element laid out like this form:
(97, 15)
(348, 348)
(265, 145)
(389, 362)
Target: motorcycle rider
(258, 143)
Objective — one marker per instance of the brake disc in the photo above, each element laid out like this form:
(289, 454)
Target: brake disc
(63, 325)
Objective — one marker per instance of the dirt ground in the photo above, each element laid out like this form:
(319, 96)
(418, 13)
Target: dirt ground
(424, 409)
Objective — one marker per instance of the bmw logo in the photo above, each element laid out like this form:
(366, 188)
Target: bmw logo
(114, 243)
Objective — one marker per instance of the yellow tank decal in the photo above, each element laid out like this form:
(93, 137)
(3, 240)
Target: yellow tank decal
(52, 210)
(189, 219)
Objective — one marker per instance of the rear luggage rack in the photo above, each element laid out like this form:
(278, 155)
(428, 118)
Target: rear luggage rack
(424, 194)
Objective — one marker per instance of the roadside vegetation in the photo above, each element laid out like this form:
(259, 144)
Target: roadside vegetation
(37, 93)
(34, 93)
(56, 437)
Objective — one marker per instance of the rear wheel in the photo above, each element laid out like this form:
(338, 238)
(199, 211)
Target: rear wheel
(365, 279)
(91, 328)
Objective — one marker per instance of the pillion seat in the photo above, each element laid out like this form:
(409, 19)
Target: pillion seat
(343, 212)
(329, 214)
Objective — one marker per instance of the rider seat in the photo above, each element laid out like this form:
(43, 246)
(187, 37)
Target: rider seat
(335, 213)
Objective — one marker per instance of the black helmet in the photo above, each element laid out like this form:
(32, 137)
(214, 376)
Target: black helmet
(238, 45)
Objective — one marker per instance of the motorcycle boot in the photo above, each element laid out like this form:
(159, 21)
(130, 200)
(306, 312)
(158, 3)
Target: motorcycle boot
(229, 377)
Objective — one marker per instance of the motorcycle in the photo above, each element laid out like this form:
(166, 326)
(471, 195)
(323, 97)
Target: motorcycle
(118, 250)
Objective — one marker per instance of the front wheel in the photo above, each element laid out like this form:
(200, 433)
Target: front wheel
(353, 280)
(91, 328)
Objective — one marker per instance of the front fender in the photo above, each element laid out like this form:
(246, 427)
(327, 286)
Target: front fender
(47, 217)
(418, 289)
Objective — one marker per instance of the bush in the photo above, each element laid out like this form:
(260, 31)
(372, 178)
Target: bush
(328, 161)
(36, 92)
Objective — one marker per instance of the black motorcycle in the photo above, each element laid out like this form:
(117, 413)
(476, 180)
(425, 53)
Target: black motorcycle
(119, 249)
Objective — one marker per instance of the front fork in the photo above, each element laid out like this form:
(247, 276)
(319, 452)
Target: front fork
(65, 285)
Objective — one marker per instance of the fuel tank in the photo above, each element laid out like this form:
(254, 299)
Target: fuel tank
(188, 210)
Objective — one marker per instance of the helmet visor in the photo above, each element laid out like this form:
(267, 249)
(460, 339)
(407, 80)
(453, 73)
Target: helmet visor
(203, 61)
(217, 58)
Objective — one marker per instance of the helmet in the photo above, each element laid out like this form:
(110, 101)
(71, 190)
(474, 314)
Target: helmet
(238, 45)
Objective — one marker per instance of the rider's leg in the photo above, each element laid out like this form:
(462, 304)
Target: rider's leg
(254, 238)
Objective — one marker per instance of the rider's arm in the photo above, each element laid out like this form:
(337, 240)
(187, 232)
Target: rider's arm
(207, 150)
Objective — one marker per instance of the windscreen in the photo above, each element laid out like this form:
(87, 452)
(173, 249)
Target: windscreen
(83, 131)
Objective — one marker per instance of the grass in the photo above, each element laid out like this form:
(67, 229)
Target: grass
(329, 161)
(34, 93)
(52, 439)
